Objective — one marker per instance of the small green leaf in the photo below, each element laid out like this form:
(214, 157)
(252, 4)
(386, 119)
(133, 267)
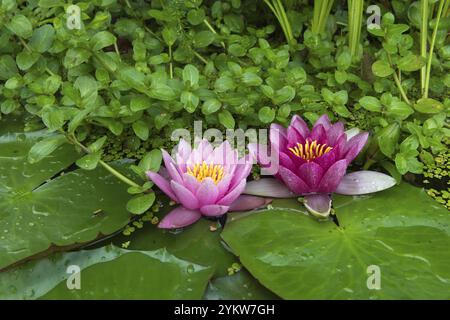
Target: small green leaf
(283, 95)
(8, 67)
(8, 106)
(21, 26)
(224, 83)
(169, 35)
(25, 59)
(97, 144)
(141, 129)
(140, 102)
(370, 103)
(203, 39)
(226, 119)
(266, 114)
(196, 16)
(382, 69)
(190, 101)
(42, 38)
(211, 106)
(45, 147)
(344, 60)
(151, 161)
(101, 40)
(411, 62)
(428, 105)
(89, 161)
(76, 56)
(162, 92)
(405, 163)
(388, 139)
(141, 203)
(53, 118)
(251, 79)
(399, 109)
(190, 75)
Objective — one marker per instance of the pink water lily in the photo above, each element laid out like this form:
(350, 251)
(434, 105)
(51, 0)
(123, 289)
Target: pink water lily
(313, 163)
(206, 181)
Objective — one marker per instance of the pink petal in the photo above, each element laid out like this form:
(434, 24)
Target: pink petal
(355, 145)
(300, 125)
(277, 136)
(268, 187)
(190, 182)
(286, 161)
(207, 192)
(242, 172)
(364, 182)
(311, 173)
(292, 181)
(318, 204)
(233, 194)
(319, 134)
(294, 137)
(224, 154)
(245, 203)
(170, 167)
(179, 217)
(162, 184)
(333, 176)
(260, 153)
(279, 128)
(224, 185)
(324, 121)
(204, 147)
(183, 151)
(327, 159)
(213, 210)
(334, 133)
(185, 197)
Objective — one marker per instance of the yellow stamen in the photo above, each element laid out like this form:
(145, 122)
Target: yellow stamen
(310, 150)
(203, 171)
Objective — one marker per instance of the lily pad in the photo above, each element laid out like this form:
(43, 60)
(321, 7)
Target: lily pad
(399, 237)
(196, 243)
(37, 214)
(106, 273)
(240, 286)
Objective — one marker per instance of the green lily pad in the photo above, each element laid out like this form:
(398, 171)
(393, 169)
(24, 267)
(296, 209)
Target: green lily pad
(38, 214)
(196, 243)
(106, 273)
(401, 231)
(240, 286)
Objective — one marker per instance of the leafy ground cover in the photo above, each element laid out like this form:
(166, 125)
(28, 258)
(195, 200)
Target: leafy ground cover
(85, 110)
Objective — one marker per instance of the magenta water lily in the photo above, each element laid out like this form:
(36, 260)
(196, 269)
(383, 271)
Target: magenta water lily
(313, 163)
(205, 181)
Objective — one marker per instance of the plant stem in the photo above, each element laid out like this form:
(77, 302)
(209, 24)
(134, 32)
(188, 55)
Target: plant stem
(116, 48)
(430, 53)
(29, 50)
(446, 9)
(322, 10)
(278, 10)
(113, 171)
(355, 13)
(118, 175)
(400, 88)
(199, 57)
(210, 27)
(397, 82)
(170, 63)
(423, 40)
(285, 19)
